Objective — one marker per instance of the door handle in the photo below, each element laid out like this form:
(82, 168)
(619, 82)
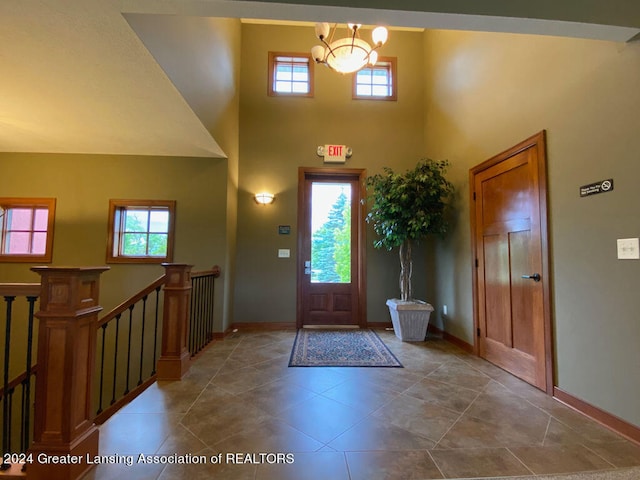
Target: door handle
(307, 267)
(535, 277)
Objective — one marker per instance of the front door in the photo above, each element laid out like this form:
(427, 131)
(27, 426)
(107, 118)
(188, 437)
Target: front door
(330, 267)
(510, 247)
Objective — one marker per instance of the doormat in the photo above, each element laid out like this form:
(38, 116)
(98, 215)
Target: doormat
(340, 348)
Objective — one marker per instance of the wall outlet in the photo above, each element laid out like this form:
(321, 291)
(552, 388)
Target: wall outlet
(284, 253)
(628, 249)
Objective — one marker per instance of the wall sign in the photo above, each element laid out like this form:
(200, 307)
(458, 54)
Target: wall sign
(334, 153)
(595, 188)
(284, 229)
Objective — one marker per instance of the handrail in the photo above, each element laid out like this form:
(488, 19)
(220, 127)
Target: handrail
(19, 379)
(131, 301)
(20, 289)
(215, 271)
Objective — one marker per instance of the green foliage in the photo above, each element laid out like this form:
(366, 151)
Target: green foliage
(137, 242)
(331, 245)
(409, 206)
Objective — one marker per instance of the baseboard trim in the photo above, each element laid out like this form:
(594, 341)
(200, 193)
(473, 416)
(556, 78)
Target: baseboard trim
(261, 326)
(604, 418)
(467, 347)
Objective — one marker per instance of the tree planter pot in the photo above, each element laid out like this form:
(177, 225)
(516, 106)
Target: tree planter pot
(410, 319)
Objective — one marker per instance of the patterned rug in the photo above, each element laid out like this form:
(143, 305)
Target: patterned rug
(340, 348)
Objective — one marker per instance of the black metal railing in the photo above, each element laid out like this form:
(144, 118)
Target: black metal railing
(128, 349)
(201, 311)
(17, 422)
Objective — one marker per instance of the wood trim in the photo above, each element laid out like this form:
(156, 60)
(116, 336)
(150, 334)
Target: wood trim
(20, 289)
(458, 342)
(272, 60)
(132, 300)
(50, 203)
(393, 67)
(618, 425)
(535, 141)
(215, 271)
(260, 326)
(19, 379)
(334, 174)
(115, 205)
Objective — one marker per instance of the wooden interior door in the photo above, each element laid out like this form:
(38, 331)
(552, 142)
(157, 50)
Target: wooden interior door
(330, 248)
(511, 262)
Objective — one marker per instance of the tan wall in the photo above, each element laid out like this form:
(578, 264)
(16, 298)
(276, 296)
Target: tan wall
(280, 134)
(201, 56)
(487, 92)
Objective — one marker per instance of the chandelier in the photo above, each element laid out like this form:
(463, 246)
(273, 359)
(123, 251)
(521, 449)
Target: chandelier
(350, 53)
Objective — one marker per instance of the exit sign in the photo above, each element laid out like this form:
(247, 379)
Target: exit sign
(335, 153)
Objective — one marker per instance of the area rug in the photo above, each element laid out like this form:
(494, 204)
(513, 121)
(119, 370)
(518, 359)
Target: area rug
(340, 348)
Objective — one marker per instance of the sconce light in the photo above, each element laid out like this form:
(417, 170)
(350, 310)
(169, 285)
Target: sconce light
(264, 198)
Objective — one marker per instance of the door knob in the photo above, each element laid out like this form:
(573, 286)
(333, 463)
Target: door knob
(535, 277)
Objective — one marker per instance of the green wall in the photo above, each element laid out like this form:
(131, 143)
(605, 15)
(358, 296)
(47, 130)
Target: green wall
(280, 134)
(485, 93)
(83, 185)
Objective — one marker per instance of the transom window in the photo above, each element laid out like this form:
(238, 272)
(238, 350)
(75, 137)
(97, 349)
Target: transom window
(290, 74)
(27, 229)
(376, 82)
(141, 231)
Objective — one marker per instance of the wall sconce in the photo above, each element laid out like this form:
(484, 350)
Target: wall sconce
(264, 198)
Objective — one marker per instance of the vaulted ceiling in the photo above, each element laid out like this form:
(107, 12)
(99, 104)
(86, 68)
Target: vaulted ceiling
(78, 78)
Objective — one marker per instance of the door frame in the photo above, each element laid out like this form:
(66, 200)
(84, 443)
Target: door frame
(537, 141)
(361, 278)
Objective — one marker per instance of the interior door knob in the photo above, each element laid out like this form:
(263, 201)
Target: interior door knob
(535, 277)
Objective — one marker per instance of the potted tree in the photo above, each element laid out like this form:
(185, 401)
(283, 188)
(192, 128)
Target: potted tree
(405, 208)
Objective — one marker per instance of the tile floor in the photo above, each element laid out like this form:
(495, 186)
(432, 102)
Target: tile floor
(445, 415)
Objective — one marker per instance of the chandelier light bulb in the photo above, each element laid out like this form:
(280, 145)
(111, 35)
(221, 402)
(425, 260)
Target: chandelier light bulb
(379, 36)
(322, 30)
(350, 53)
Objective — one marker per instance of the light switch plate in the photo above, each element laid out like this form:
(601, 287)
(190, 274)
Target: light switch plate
(284, 253)
(628, 249)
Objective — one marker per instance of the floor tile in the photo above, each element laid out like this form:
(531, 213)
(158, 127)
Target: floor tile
(375, 434)
(417, 416)
(447, 413)
(481, 462)
(452, 397)
(397, 465)
(322, 418)
(307, 466)
(559, 459)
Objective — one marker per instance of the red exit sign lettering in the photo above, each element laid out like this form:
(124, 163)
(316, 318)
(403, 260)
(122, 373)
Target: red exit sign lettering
(335, 153)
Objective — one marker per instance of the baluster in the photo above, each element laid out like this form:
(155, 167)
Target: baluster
(210, 300)
(191, 318)
(104, 333)
(27, 385)
(9, 432)
(129, 348)
(6, 423)
(144, 316)
(155, 331)
(197, 294)
(115, 359)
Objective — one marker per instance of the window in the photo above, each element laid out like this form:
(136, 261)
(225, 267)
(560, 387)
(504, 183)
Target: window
(377, 82)
(290, 74)
(141, 231)
(27, 229)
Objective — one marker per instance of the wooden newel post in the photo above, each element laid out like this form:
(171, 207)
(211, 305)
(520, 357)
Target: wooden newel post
(64, 432)
(174, 359)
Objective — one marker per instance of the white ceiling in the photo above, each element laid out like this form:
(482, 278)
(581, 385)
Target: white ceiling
(76, 78)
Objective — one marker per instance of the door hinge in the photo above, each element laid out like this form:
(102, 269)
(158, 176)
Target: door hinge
(478, 331)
